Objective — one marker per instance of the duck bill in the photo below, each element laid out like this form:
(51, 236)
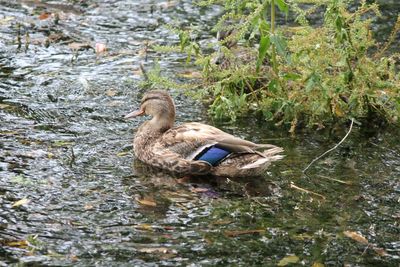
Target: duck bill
(134, 114)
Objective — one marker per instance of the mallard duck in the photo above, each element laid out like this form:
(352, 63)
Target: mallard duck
(194, 148)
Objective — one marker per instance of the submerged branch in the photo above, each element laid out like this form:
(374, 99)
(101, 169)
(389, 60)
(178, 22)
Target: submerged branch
(333, 148)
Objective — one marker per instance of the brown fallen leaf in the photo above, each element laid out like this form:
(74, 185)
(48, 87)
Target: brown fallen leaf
(199, 189)
(44, 16)
(380, 251)
(79, 46)
(147, 202)
(356, 236)
(242, 232)
(221, 222)
(73, 258)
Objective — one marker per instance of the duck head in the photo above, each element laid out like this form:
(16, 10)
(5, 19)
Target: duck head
(160, 106)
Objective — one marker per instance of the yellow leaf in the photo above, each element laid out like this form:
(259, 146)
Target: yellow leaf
(17, 244)
(111, 92)
(147, 202)
(20, 202)
(4, 106)
(288, 260)
(338, 111)
(88, 207)
(356, 236)
(317, 264)
(190, 74)
(6, 20)
(144, 226)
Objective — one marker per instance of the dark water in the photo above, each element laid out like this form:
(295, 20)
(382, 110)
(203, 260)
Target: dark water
(65, 150)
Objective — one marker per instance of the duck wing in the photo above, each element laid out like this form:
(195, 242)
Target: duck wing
(190, 139)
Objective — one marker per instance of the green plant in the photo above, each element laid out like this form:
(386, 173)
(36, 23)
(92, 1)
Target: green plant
(297, 74)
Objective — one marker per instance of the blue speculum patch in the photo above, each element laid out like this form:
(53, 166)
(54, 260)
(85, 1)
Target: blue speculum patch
(213, 155)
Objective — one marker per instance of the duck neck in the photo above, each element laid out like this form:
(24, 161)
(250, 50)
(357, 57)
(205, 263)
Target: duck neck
(162, 122)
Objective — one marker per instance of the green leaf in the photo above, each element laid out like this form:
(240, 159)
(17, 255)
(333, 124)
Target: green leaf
(291, 76)
(264, 27)
(273, 86)
(262, 51)
(312, 80)
(282, 6)
(183, 40)
(280, 45)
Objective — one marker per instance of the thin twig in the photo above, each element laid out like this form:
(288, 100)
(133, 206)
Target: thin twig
(292, 185)
(333, 148)
(146, 77)
(335, 180)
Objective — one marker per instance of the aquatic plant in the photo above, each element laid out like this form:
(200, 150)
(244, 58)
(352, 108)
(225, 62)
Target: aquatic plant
(298, 75)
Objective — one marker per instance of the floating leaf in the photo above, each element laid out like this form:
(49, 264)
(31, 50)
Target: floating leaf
(111, 92)
(79, 46)
(380, 251)
(6, 20)
(167, 4)
(242, 232)
(44, 16)
(22, 180)
(199, 189)
(61, 143)
(163, 250)
(4, 106)
(288, 260)
(356, 236)
(100, 48)
(144, 226)
(222, 222)
(73, 258)
(147, 202)
(20, 202)
(88, 207)
(190, 74)
(16, 243)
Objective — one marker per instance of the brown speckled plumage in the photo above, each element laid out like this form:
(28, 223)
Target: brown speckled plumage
(158, 143)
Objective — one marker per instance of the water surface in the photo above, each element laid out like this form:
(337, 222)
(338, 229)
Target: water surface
(66, 152)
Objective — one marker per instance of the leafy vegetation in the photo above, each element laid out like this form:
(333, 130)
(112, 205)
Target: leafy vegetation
(297, 75)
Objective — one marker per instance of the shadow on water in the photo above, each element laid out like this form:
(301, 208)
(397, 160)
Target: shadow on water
(71, 193)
